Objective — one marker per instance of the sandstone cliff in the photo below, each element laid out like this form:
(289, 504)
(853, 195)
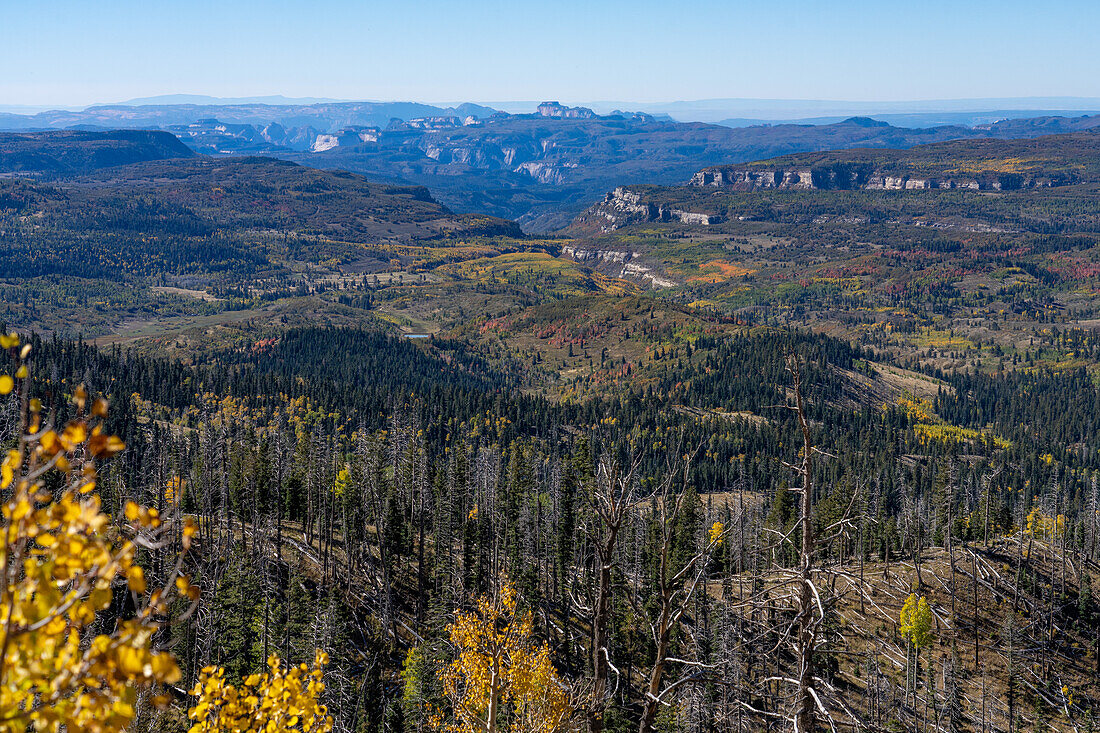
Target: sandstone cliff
(554, 109)
(624, 206)
(750, 179)
(618, 263)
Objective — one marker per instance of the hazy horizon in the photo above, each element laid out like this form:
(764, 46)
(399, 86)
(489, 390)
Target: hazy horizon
(572, 52)
(701, 110)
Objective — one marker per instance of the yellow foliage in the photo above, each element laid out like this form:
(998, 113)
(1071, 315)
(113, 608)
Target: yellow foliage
(916, 620)
(173, 491)
(499, 663)
(944, 433)
(917, 410)
(716, 531)
(717, 271)
(60, 557)
(1045, 527)
(340, 485)
(282, 699)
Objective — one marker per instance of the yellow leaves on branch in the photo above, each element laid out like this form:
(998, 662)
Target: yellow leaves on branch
(340, 485)
(282, 699)
(60, 557)
(916, 621)
(173, 491)
(499, 663)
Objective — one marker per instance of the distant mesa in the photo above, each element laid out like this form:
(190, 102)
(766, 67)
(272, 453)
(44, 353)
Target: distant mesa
(78, 151)
(261, 194)
(998, 165)
(554, 109)
(1050, 161)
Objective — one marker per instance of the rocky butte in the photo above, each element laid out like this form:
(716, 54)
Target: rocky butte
(554, 109)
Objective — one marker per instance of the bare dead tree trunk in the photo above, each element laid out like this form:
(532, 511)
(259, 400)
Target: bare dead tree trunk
(614, 495)
(653, 691)
(804, 719)
(676, 589)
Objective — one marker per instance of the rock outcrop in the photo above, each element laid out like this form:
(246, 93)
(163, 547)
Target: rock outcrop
(624, 206)
(545, 172)
(839, 177)
(554, 109)
(597, 255)
(748, 179)
(619, 263)
(435, 123)
(323, 143)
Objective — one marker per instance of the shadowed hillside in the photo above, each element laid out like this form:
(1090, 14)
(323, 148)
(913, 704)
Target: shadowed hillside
(69, 151)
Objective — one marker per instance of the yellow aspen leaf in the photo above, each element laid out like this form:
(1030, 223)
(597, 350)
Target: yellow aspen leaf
(165, 668)
(135, 576)
(75, 433)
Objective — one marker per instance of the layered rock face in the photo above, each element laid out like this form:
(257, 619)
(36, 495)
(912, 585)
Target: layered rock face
(623, 206)
(545, 172)
(619, 263)
(553, 109)
(752, 178)
(834, 178)
(348, 136)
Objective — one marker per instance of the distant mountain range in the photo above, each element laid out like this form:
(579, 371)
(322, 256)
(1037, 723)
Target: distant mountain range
(164, 99)
(913, 113)
(922, 119)
(540, 169)
(733, 112)
(322, 116)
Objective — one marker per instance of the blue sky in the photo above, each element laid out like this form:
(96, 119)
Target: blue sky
(80, 52)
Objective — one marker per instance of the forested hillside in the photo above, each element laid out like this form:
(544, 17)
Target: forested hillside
(352, 490)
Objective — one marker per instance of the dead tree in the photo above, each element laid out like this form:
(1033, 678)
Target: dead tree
(614, 497)
(810, 612)
(676, 588)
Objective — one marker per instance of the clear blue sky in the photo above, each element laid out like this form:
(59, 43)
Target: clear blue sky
(80, 51)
